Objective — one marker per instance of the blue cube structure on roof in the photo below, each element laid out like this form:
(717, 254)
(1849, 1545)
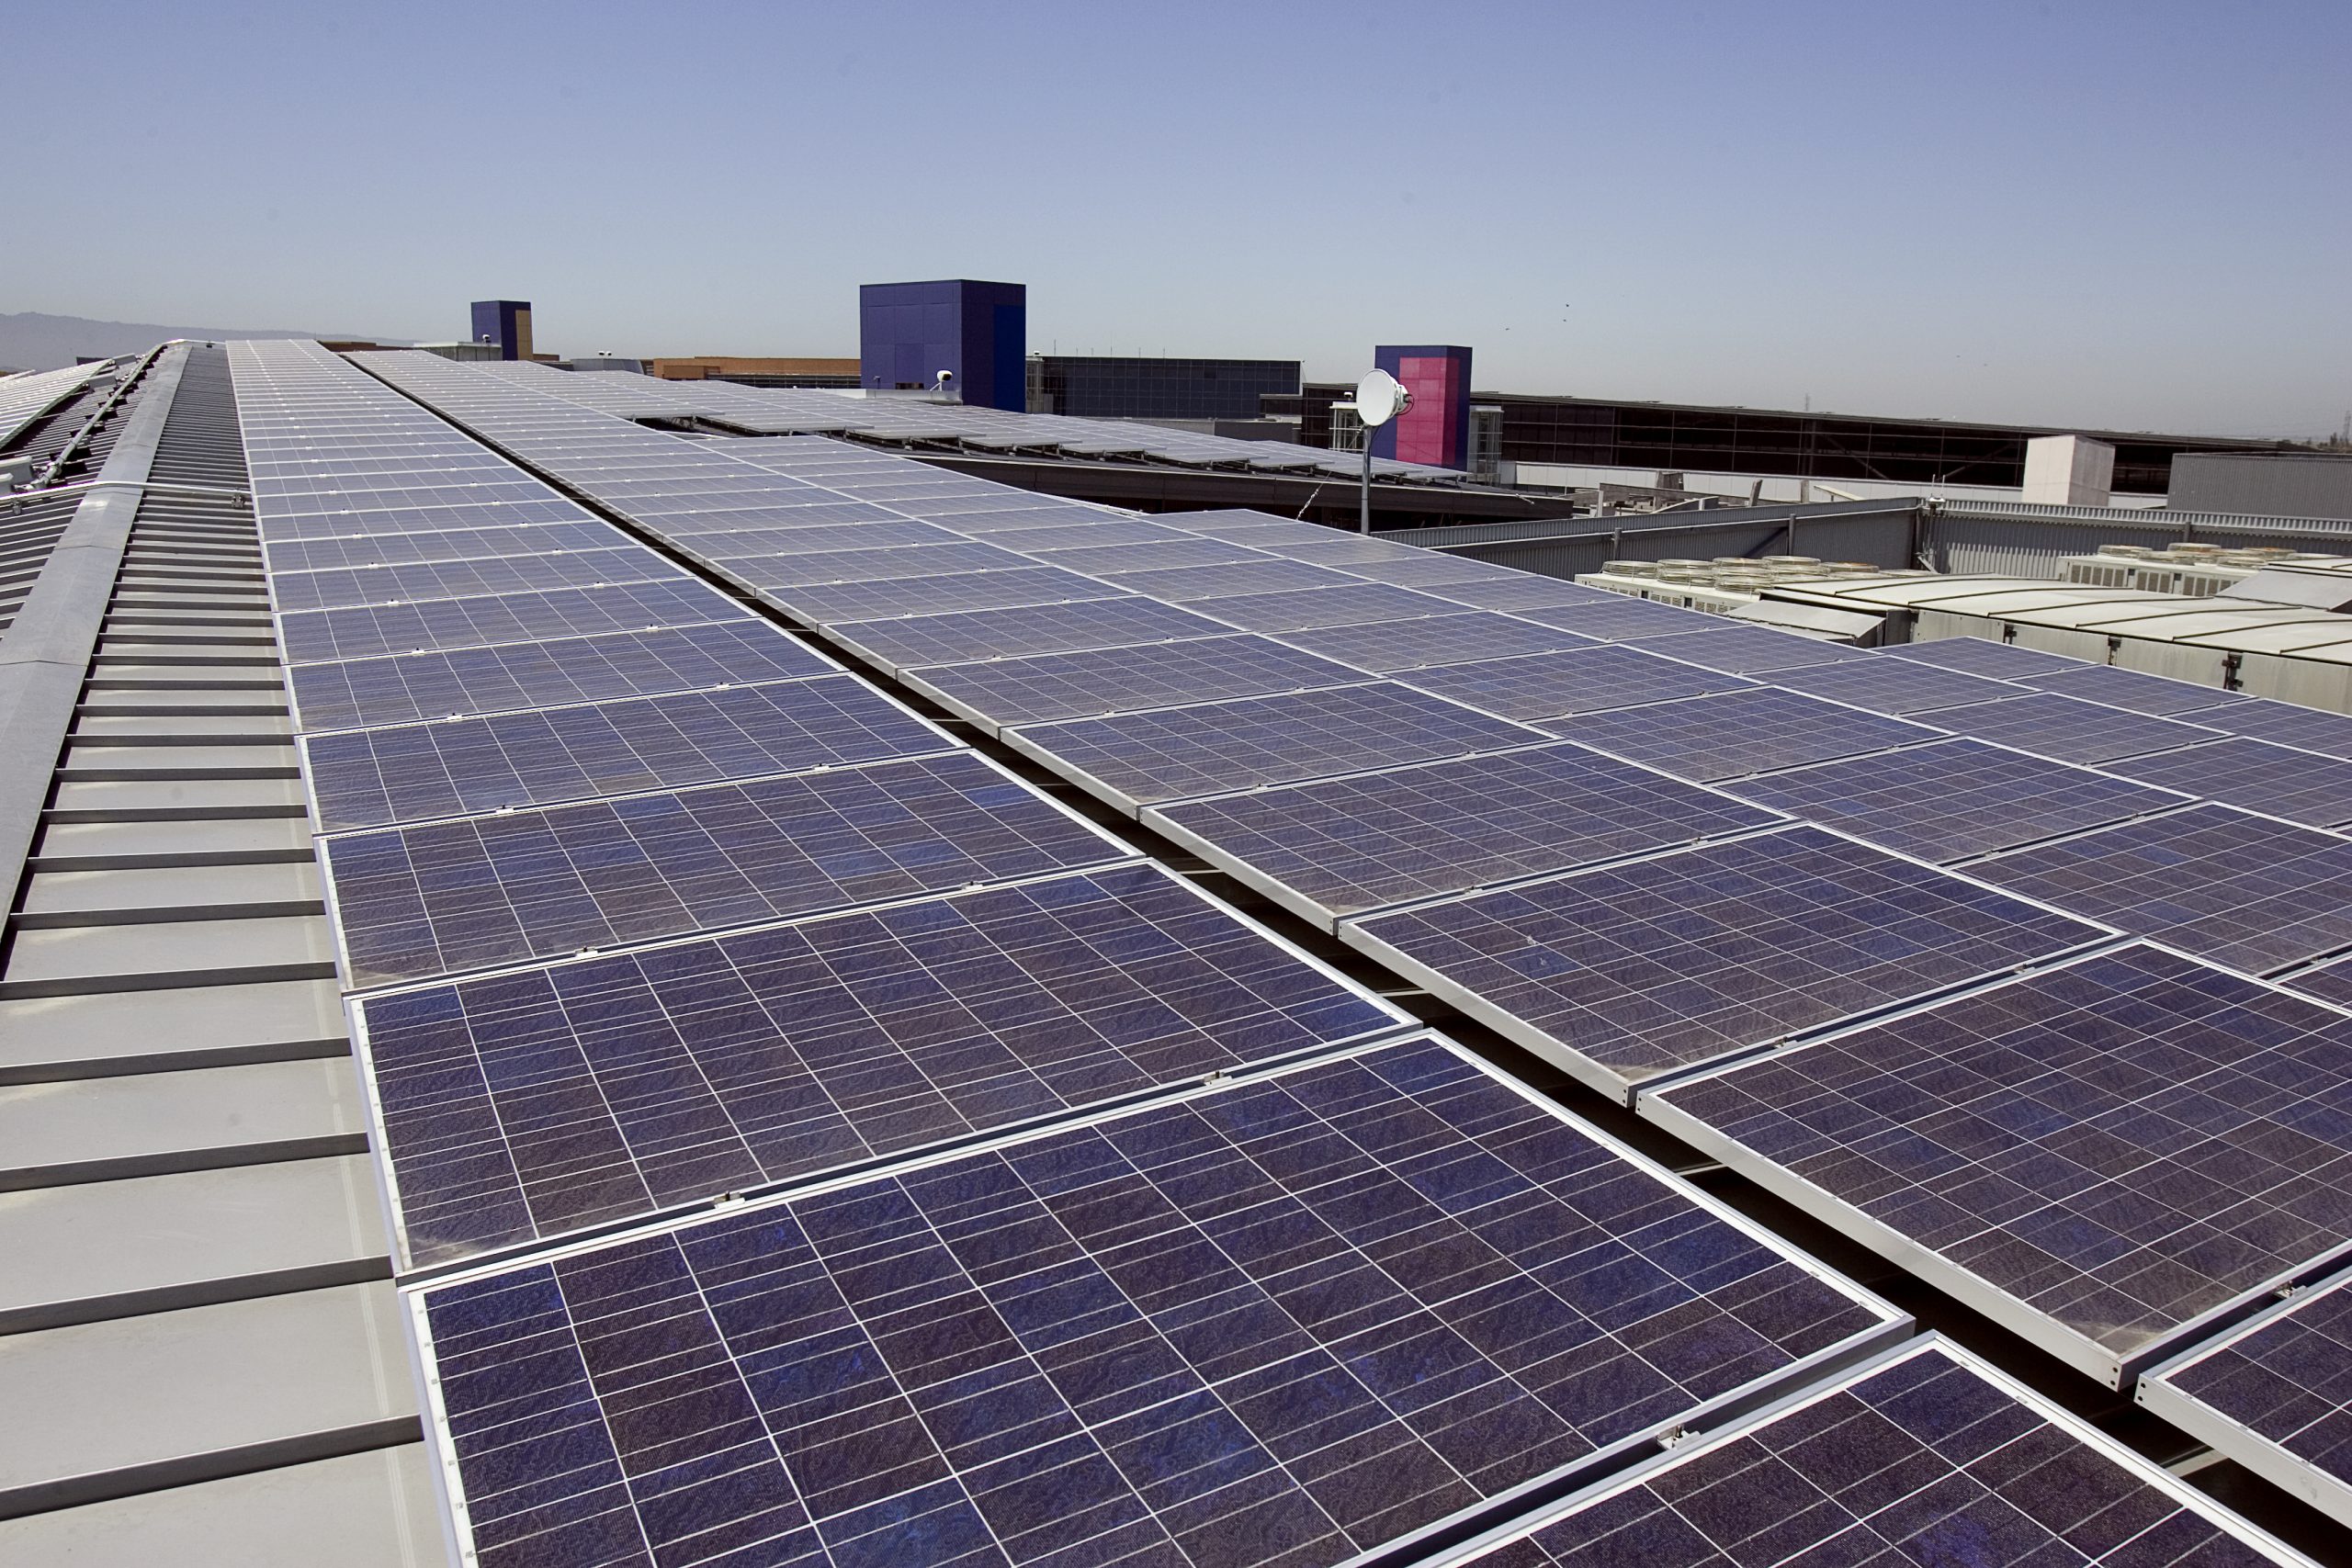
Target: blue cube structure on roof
(507, 323)
(908, 333)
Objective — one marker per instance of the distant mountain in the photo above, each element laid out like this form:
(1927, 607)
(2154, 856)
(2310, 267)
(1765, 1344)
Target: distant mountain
(43, 342)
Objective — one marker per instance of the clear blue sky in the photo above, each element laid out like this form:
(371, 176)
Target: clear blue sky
(2127, 215)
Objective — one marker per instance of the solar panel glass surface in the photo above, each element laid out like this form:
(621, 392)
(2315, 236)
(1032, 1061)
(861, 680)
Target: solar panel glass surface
(1748, 651)
(1892, 686)
(1582, 680)
(522, 1106)
(2130, 689)
(1174, 753)
(2313, 730)
(1307, 608)
(1343, 846)
(1981, 656)
(1289, 1321)
(1128, 680)
(478, 892)
(1953, 799)
(463, 578)
(319, 636)
(371, 777)
(1659, 964)
(462, 544)
(786, 568)
(1619, 618)
(2302, 786)
(914, 640)
(1386, 646)
(1736, 733)
(2113, 1148)
(2066, 729)
(1259, 575)
(403, 690)
(1926, 1456)
(2241, 890)
(829, 603)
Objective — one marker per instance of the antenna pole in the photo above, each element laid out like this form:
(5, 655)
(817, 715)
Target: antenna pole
(1363, 517)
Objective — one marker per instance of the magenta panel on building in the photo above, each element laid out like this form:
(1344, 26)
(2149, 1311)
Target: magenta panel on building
(1436, 429)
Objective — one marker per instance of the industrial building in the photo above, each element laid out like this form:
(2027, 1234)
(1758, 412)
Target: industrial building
(1090, 386)
(607, 970)
(973, 334)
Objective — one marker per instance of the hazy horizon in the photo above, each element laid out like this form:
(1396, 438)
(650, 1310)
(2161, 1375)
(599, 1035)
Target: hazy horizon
(2111, 217)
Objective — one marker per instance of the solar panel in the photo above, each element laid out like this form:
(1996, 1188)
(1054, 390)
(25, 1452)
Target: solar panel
(1621, 616)
(1259, 530)
(388, 522)
(1425, 569)
(1133, 760)
(1748, 650)
(1625, 973)
(1320, 607)
(1953, 798)
(2239, 890)
(939, 595)
(1582, 680)
(1127, 680)
(319, 636)
(2066, 729)
(1261, 574)
(520, 1107)
(2273, 1395)
(2302, 786)
(1388, 647)
(1290, 1320)
(770, 543)
(478, 892)
(1735, 734)
(787, 568)
(371, 777)
(1109, 529)
(2328, 982)
(1892, 686)
(404, 689)
(1110, 555)
(1980, 655)
(2130, 689)
(909, 641)
(1522, 590)
(2313, 730)
(1343, 846)
(464, 579)
(463, 544)
(1923, 1455)
(2098, 1155)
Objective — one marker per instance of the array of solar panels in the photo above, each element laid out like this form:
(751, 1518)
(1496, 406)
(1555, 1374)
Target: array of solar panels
(1306, 1313)
(762, 410)
(28, 395)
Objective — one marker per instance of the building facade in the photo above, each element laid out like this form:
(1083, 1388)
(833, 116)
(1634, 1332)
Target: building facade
(974, 331)
(507, 323)
(1109, 387)
(1436, 429)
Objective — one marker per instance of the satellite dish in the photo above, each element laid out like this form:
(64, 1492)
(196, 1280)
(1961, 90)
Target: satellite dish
(1380, 398)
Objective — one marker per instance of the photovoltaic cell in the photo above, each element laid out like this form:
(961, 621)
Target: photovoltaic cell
(2100, 1154)
(1892, 685)
(522, 1106)
(1388, 647)
(2302, 786)
(1953, 799)
(1173, 753)
(1980, 655)
(914, 640)
(371, 777)
(2328, 982)
(2274, 1396)
(2130, 689)
(2067, 729)
(1581, 680)
(2239, 890)
(484, 891)
(1656, 966)
(1926, 1456)
(1322, 607)
(463, 578)
(940, 595)
(1344, 846)
(1736, 733)
(525, 675)
(2312, 729)
(1748, 651)
(318, 635)
(1127, 680)
(1288, 1321)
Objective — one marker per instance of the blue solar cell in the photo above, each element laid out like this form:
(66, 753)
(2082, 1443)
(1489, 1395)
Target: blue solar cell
(910, 641)
(519, 1107)
(320, 636)
(478, 892)
(466, 579)
(830, 604)
(1312, 607)
(462, 544)
(371, 777)
(2118, 1147)
(1290, 1321)
(798, 567)
(1388, 646)
(1582, 680)
(2312, 729)
(1953, 799)
(2302, 786)
(1342, 846)
(1127, 680)
(1893, 685)
(2130, 689)
(1175, 754)
(1261, 574)
(1657, 965)
(2066, 728)
(1980, 656)
(1735, 733)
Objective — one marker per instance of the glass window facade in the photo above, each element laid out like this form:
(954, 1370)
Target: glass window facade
(1100, 387)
